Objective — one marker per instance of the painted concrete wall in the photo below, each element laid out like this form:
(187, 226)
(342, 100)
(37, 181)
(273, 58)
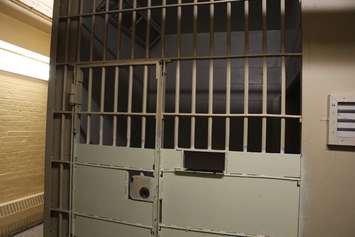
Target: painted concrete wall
(328, 67)
(23, 105)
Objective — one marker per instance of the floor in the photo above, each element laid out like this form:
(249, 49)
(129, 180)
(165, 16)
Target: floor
(36, 231)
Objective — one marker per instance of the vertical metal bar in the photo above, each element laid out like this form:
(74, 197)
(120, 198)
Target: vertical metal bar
(62, 127)
(194, 74)
(91, 58)
(75, 125)
(103, 76)
(130, 87)
(265, 71)
(229, 74)
(117, 71)
(210, 77)
(246, 75)
(145, 82)
(61, 169)
(92, 33)
(119, 26)
(106, 29)
(163, 42)
(160, 74)
(50, 145)
(74, 140)
(115, 104)
(88, 125)
(283, 76)
(163, 24)
(102, 105)
(177, 82)
(129, 110)
(79, 31)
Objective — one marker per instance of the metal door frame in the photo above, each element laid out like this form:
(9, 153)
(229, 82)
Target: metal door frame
(160, 75)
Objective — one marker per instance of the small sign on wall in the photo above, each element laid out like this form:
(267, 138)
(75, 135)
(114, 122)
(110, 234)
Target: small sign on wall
(341, 121)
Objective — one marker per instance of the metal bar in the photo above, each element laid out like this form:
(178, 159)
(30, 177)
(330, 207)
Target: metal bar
(108, 113)
(236, 175)
(115, 105)
(283, 77)
(74, 140)
(133, 29)
(187, 114)
(79, 32)
(170, 59)
(106, 29)
(206, 231)
(177, 82)
(114, 167)
(229, 74)
(59, 210)
(152, 8)
(246, 76)
(62, 127)
(130, 87)
(117, 70)
(265, 71)
(210, 77)
(61, 168)
(194, 74)
(163, 23)
(119, 25)
(145, 79)
(60, 162)
(113, 220)
(129, 62)
(88, 125)
(102, 105)
(92, 34)
(162, 55)
(160, 74)
(233, 115)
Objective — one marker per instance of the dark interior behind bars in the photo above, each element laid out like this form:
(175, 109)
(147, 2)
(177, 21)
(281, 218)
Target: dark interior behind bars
(123, 29)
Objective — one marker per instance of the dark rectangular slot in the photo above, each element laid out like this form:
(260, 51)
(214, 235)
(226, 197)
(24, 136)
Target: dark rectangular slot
(346, 129)
(346, 103)
(346, 120)
(346, 111)
(204, 161)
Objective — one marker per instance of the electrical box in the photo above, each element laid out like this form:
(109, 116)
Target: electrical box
(341, 121)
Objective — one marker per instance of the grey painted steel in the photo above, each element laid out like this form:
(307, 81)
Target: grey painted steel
(90, 227)
(135, 158)
(231, 204)
(96, 190)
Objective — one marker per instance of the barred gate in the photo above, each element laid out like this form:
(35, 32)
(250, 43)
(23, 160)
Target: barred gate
(174, 118)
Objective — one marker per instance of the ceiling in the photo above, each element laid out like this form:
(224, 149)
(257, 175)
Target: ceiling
(43, 6)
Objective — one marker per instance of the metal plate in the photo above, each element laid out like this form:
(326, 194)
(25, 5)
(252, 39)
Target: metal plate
(86, 227)
(104, 193)
(231, 204)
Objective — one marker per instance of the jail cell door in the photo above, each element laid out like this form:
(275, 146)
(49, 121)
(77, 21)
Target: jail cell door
(114, 188)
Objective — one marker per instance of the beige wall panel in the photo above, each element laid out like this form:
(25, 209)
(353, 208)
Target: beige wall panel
(17, 32)
(328, 190)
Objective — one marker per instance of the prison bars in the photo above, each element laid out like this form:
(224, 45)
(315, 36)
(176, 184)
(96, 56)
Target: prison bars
(211, 58)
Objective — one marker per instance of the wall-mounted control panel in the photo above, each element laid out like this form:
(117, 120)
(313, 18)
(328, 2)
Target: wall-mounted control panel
(341, 120)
